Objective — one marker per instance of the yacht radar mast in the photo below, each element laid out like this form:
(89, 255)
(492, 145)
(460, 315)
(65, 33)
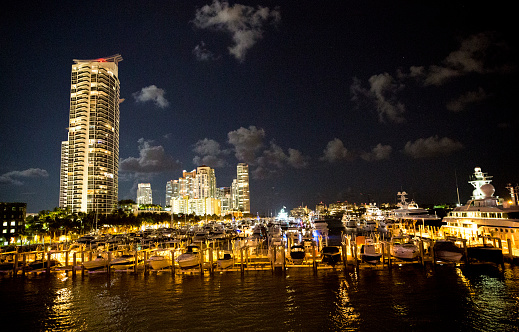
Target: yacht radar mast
(479, 181)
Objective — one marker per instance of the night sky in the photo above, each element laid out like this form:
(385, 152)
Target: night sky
(325, 100)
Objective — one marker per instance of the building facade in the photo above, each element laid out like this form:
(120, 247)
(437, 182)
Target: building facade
(144, 194)
(242, 181)
(172, 190)
(92, 158)
(204, 184)
(12, 221)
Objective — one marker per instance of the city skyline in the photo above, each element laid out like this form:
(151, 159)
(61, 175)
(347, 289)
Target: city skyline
(341, 101)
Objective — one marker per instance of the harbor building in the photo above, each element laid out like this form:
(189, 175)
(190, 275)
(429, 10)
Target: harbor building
(90, 156)
(144, 194)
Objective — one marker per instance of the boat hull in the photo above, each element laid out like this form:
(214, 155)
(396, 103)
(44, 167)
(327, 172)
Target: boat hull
(187, 261)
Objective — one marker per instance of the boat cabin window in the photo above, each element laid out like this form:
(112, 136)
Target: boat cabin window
(464, 215)
(484, 215)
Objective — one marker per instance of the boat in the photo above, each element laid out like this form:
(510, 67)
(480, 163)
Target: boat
(97, 263)
(42, 264)
(411, 213)
(350, 223)
(369, 253)
(485, 253)
(446, 250)
(123, 262)
(226, 261)
(331, 255)
(6, 266)
(484, 219)
(372, 218)
(190, 258)
(330, 229)
(403, 248)
(157, 261)
(297, 254)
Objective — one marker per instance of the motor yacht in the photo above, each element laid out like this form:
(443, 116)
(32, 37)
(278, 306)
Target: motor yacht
(190, 258)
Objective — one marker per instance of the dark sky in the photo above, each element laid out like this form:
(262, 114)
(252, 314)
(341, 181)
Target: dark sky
(326, 100)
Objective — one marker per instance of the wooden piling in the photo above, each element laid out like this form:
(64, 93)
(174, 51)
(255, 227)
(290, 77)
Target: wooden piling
(510, 249)
(48, 263)
(241, 261)
(211, 260)
(24, 263)
(146, 267)
(283, 262)
(82, 261)
(74, 264)
(66, 258)
(15, 265)
(314, 254)
(422, 253)
(465, 251)
(344, 255)
(173, 261)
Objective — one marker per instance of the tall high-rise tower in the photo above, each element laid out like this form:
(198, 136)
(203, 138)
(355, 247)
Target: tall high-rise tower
(144, 194)
(92, 162)
(242, 180)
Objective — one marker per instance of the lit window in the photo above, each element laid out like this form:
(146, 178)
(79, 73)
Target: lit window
(5, 223)
(13, 223)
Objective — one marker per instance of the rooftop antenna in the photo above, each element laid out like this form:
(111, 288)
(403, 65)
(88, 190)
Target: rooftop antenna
(457, 189)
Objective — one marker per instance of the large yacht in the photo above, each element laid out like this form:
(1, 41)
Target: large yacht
(485, 215)
(410, 213)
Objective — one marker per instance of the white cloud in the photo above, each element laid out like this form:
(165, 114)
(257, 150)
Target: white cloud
(209, 153)
(246, 143)
(152, 159)
(335, 151)
(202, 53)
(379, 152)
(382, 94)
(476, 54)
(431, 147)
(12, 178)
(244, 23)
(462, 102)
(151, 93)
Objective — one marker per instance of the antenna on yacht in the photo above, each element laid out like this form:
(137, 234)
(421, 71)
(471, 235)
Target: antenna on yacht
(457, 189)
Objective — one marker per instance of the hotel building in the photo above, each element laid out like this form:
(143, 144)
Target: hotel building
(90, 156)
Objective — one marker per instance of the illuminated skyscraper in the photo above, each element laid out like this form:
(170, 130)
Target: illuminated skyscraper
(204, 182)
(242, 181)
(144, 194)
(90, 182)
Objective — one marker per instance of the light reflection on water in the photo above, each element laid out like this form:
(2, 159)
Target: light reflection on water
(407, 298)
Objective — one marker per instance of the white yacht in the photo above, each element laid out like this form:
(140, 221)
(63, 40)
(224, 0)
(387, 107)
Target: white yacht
(409, 212)
(404, 248)
(485, 216)
(190, 258)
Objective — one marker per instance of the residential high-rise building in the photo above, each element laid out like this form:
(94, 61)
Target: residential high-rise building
(63, 176)
(187, 184)
(144, 194)
(92, 158)
(204, 185)
(242, 180)
(172, 191)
